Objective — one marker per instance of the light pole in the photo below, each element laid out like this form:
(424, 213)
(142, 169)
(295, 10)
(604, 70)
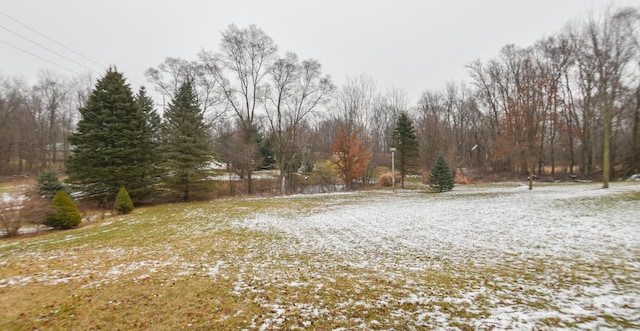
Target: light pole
(393, 169)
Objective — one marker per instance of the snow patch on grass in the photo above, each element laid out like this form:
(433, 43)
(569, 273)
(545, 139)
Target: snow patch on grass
(548, 250)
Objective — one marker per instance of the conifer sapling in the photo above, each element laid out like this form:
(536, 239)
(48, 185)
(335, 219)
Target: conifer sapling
(124, 205)
(441, 178)
(65, 213)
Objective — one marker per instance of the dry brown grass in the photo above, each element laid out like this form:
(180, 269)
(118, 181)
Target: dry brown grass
(187, 266)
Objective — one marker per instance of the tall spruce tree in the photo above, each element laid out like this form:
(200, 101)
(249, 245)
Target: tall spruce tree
(110, 146)
(406, 143)
(187, 146)
(441, 178)
(152, 140)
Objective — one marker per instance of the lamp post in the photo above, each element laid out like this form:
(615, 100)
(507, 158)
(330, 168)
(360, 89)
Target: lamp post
(393, 169)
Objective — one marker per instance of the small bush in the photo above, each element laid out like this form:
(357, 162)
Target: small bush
(65, 213)
(49, 184)
(124, 204)
(9, 218)
(386, 179)
(36, 209)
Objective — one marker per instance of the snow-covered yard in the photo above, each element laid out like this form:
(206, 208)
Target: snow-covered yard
(557, 255)
(494, 257)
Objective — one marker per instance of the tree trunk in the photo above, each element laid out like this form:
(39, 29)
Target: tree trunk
(635, 138)
(606, 148)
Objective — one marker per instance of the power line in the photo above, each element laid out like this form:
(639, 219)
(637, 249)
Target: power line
(55, 42)
(47, 48)
(52, 40)
(38, 56)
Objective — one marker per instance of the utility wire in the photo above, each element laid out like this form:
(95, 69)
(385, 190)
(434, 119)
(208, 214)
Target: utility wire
(47, 48)
(55, 42)
(38, 56)
(52, 40)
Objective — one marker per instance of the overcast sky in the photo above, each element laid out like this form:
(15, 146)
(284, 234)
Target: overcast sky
(412, 45)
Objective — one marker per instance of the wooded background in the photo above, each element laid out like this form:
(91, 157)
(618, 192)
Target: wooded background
(565, 107)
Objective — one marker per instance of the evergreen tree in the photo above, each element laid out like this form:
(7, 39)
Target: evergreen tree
(441, 178)
(49, 184)
(124, 205)
(150, 143)
(110, 146)
(187, 146)
(65, 213)
(406, 143)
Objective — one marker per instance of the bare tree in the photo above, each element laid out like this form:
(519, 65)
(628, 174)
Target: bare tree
(385, 113)
(355, 101)
(53, 92)
(511, 87)
(298, 91)
(173, 72)
(429, 126)
(14, 121)
(240, 68)
(611, 45)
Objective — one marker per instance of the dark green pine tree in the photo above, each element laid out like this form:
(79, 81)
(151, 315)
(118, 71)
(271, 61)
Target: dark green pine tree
(110, 147)
(187, 146)
(406, 143)
(441, 178)
(151, 143)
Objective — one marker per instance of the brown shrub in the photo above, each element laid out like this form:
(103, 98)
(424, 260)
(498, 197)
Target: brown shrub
(36, 210)
(461, 179)
(32, 209)
(10, 221)
(386, 179)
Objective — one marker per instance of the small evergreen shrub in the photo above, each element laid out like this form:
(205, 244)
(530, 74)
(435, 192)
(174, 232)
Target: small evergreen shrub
(441, 178)
(49, 184)
(124, 204)
(65, 213)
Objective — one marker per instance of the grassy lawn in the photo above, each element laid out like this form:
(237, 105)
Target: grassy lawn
(334, 261)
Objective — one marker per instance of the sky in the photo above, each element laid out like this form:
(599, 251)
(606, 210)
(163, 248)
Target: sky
(410, 45)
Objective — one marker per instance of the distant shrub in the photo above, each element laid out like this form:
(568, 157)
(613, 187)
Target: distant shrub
(462, 179)
(124, 204)
(386, 179)
(65, 213)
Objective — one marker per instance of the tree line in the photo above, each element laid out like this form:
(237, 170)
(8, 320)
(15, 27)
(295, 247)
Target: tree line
(36, 120)
(567, 106)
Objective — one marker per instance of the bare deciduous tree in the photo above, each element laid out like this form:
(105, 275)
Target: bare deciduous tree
(298, 91)
(240, 68)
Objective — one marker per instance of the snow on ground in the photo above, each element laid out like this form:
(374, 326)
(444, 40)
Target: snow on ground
(551, 232)
(11, 199)
(489, 257)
